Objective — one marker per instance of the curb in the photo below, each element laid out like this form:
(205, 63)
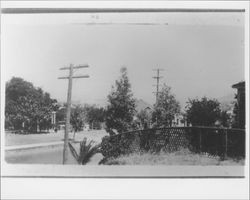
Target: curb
(32, 146)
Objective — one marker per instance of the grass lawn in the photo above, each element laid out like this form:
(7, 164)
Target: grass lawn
(183, 157)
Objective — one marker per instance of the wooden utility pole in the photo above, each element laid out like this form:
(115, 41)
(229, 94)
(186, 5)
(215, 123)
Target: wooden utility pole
(157, 77)
(68, 109)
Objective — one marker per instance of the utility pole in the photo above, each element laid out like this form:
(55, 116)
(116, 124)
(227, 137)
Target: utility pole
(157, 77)
(68, 109)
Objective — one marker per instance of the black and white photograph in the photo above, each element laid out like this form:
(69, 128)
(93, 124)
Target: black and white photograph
(124, 92)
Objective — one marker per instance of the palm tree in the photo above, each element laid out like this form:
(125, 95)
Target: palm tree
(87, 151)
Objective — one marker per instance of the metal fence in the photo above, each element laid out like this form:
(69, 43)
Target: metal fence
(222, 142)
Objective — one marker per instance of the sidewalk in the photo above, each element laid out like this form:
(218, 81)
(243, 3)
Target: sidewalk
(31, 146)
(12, 140)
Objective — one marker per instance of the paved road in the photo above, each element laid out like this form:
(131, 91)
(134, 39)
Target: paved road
(47, 154)
(44, 155)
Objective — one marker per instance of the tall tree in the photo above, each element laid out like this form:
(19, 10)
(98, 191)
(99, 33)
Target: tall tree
(77, 119)
(165, 108)
(121, 108)
(27, 107)
(16, 91)
(204, 112)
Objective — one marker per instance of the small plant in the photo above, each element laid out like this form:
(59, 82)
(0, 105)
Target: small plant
(86, 152)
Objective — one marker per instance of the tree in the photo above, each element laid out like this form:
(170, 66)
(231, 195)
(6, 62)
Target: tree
(165, 108)
(94, 115)
(235, 121)
(43, 106)
(61, 113)
(121, 108)
(27, 107)
(238, 120)
(225, 119)
(144, 117)
(204, 112)
(77, 119)
(16, 91)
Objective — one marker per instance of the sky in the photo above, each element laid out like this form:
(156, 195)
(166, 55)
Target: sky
(202, 54)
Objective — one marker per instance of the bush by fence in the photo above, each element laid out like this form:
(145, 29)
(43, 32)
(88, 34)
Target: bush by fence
(214, 141)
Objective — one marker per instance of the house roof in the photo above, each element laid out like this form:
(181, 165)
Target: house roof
(239, 85)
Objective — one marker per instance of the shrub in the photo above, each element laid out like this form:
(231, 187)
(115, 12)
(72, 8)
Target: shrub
(86, 152)
(121, 144)
(153, 141)
(110, 146)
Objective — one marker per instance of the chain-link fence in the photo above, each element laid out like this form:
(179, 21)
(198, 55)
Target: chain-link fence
(222, 142)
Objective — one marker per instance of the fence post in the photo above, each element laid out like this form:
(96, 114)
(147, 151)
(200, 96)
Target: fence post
(225, 153)
(200, 140)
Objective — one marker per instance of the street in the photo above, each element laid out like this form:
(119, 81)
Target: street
(49, 154)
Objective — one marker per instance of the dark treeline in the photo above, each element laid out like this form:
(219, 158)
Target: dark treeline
(29, 108)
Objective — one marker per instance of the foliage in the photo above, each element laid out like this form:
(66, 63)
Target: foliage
(239, 120)
(225, 119)
(114, 146)
(239, 114)
(77, 118)
(27, 106)
(235, 123)
(61, 113)
(204, 112)
(86, 152)
(131, 142)
(144, 117)
(165, 108)
(94, 115)
(110, 147)
(121, 108)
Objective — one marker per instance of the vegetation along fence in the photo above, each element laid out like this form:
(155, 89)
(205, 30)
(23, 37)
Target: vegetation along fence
(222, 142)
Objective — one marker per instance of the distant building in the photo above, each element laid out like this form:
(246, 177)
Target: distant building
(86, 127)
(240, 112)
(61, 125)
(179, 120)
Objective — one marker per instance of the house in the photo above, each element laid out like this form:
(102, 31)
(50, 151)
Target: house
(86, 127)
(240, 112)
(179, 121)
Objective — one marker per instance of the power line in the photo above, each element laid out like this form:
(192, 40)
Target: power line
(71, 69)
